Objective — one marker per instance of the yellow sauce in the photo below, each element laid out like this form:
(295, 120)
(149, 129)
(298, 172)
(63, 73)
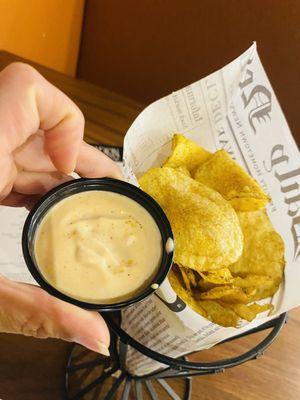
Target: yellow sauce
(98, 246)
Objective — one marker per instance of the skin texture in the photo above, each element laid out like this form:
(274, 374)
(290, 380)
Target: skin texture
(41, 142)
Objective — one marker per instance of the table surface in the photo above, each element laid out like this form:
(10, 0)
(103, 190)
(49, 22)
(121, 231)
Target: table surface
(33, 369)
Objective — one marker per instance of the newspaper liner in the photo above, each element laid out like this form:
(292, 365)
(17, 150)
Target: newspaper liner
(236, 109)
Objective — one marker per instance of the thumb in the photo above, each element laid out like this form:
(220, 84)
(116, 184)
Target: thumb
(29, 310)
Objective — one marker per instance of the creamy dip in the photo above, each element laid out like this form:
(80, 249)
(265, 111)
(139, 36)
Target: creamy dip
(98, 246)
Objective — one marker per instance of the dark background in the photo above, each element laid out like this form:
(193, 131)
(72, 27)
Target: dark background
(147, 49)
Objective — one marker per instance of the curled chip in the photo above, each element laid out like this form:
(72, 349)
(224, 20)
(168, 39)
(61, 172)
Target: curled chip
(177, 284)
(218, 313)
(223, 174)
(211, 310)
(263, 252)
(227, 294)
(206, 228)
(204, 285)
(189, 278)
(249, 312)
(218, 277)
(186, 154)
(260, 286)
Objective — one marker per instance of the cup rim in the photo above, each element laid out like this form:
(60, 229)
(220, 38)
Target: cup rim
(80, 185)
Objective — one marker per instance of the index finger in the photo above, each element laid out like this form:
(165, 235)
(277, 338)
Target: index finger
(92, 163)
(28, 102)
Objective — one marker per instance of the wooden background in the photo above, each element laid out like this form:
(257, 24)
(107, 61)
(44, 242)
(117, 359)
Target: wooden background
(147, 49)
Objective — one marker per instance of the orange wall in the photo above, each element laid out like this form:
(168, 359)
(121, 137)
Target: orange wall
(45, 31)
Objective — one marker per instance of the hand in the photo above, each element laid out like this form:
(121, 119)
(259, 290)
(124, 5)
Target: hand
(41, 142)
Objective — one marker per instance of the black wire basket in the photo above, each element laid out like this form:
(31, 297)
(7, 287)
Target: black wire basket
(90, 376)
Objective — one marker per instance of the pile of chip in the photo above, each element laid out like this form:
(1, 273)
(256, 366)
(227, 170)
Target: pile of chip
(227, 254)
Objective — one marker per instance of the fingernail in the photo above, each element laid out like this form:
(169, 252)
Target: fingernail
(102, 349)
(94, 345)
(70, 168)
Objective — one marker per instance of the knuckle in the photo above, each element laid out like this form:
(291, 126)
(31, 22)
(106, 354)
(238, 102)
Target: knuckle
(21, 68)
(35, 327)
(36, 322)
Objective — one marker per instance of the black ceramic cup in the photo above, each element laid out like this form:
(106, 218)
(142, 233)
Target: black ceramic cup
(70, 188)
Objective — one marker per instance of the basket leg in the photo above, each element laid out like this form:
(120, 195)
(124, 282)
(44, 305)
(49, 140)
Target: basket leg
(126, 390)
(151, 390)
(168, 389)
(139, 390)
(110, 395)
